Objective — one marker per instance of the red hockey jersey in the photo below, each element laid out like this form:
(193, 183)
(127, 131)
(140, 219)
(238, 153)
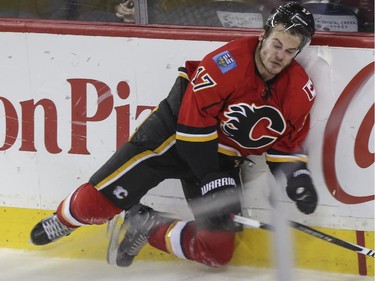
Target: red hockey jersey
(228, 101)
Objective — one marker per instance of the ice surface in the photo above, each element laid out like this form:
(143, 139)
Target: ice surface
(17, 265)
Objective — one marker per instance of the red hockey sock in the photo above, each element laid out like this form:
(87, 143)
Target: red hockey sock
(213, 248)
(86, 206)
(165, 237)
(157, 237)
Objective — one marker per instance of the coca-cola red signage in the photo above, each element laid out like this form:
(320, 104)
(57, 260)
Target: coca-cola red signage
(363, 157)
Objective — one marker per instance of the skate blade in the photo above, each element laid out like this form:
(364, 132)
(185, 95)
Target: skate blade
(116, 230)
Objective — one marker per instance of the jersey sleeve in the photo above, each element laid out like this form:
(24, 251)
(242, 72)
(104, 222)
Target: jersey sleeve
(196, 135)
(289, 151)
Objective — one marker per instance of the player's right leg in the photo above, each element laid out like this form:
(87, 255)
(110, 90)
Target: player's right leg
(116, 186)
(121, 182)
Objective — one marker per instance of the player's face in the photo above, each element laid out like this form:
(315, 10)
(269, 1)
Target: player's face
(277, 51)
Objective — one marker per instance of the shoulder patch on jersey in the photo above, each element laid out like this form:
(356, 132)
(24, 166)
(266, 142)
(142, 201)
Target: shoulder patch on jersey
(225, 61)
(309, 90)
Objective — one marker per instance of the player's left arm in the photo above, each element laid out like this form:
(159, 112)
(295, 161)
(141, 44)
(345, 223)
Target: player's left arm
(288, 154)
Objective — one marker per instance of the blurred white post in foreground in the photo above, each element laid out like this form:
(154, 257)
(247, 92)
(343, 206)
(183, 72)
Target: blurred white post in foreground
(282, 244)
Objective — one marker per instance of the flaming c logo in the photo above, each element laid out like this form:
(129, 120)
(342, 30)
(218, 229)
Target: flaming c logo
(363, 157)
(243, 122)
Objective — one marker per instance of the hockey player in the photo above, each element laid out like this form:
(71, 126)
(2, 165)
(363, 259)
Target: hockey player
(248, 97)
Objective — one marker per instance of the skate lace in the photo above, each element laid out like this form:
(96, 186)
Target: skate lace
(55, 229)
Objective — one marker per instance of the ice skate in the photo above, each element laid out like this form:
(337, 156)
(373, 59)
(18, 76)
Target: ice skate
(140, 221)
(48, 230)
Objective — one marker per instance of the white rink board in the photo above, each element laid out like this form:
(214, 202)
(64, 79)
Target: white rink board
(50, 68)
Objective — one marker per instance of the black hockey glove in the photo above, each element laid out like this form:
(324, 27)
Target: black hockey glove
(300, 189)
(219, 199)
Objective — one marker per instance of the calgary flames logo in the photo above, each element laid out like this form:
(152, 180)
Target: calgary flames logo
(253, 127)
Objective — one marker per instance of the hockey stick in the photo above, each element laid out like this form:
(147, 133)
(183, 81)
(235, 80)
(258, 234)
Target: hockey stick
(310, 231)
